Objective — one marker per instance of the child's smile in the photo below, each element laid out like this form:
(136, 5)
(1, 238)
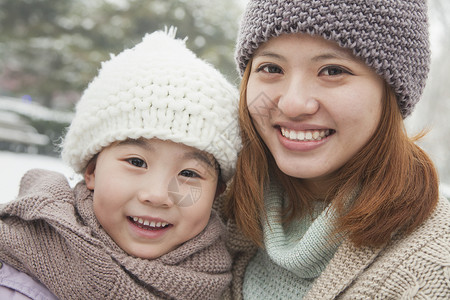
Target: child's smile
(148, 228)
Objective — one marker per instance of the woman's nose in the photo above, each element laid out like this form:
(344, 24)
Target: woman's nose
(297, 98)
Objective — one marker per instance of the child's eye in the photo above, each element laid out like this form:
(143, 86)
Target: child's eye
(137, 162)
(269, 68)
(333, 71)
(189, 173)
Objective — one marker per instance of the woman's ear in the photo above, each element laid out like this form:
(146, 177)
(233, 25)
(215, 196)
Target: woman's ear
(89, 174)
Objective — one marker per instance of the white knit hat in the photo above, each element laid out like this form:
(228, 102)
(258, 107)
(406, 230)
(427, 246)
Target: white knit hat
(158, 89)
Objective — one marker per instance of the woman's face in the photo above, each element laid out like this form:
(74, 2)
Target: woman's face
(313, 103)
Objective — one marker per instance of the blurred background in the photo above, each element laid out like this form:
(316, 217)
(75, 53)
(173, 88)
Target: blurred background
(51, 49)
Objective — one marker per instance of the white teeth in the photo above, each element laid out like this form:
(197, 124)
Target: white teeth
(300, 135)
(307, 135)
(292, 135)
(149, 223)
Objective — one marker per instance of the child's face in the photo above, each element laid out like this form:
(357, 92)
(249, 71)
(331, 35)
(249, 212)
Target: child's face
(151, 196)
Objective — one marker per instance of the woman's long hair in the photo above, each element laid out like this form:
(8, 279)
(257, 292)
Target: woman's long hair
(394, 182)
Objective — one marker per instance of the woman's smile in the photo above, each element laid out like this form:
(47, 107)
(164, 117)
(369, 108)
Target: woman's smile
(305, 135)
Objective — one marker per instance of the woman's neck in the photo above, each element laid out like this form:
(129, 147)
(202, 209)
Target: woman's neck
(319, 187)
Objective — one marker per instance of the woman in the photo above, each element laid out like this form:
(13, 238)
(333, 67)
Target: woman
(331, 198)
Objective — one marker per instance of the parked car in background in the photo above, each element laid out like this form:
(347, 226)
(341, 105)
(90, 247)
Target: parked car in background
(17, 135)
(29, 127)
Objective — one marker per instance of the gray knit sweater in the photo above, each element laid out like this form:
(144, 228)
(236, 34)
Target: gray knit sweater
(414, 266)
(50, 232)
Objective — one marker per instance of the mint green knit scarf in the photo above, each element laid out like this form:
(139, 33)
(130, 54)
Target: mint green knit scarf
(294, 255)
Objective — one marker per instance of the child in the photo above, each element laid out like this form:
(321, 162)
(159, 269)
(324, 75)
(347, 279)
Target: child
(155, 136)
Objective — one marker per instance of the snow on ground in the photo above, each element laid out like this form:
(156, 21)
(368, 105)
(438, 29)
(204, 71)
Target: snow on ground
(14, 165)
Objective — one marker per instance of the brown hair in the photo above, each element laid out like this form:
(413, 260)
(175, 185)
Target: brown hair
(393, 182)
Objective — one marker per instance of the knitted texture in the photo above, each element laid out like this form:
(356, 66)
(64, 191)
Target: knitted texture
(158, 89)
(305, 246)
(294, 255)
(390, 36)
(414, 266)
(50, 232)
(264, 279)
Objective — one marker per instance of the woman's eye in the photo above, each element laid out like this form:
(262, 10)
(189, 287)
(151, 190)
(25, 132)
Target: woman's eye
(269, 69)
(333, 71)
(137, 162)
(188, 173)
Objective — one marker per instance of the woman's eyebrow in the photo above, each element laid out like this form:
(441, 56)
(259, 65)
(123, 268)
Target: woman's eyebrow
(267, 53)
(330, 54)
(333, 54)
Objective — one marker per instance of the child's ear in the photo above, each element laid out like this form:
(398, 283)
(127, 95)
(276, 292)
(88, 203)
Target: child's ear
(89, 174)
(221, 186)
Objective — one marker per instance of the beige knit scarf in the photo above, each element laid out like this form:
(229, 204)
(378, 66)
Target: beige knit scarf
(50, 232)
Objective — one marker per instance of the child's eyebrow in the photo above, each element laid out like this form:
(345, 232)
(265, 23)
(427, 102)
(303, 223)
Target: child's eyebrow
(197, 155)
(138, 142)
(201, 157)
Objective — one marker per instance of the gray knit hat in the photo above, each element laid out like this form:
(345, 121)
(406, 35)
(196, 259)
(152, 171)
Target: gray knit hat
(391, 36)
(157, 89)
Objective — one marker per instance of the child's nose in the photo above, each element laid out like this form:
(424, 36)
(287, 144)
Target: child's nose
(155, 194)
